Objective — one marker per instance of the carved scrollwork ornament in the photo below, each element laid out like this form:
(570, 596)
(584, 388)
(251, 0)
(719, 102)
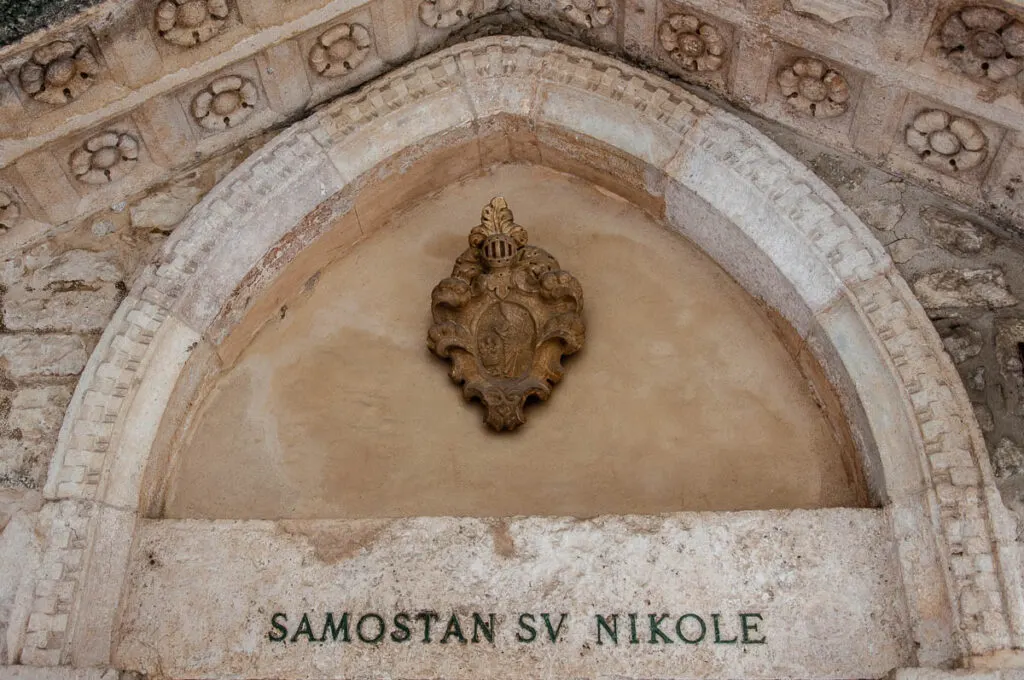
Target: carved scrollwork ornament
(225, 103)
(814, 89)
(589, 13)
(10, 212)
(445, 13)
(58, 73)
(984, 42)
(340, 50)
(187, 23)
(692, 43)
(106, 157)
(505, 318)
(946, 142)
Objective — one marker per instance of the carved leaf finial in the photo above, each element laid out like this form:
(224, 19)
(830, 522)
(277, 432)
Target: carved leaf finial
(505, 318)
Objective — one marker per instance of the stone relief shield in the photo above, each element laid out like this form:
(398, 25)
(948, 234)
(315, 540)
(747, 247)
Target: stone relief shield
(505, 318)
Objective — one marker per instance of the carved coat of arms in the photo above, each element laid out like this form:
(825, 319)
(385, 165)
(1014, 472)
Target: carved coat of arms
(505, 318)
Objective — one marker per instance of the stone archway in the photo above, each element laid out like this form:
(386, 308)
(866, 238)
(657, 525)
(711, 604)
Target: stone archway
(792, 243)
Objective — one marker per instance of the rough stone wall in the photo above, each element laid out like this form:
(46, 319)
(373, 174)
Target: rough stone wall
(58, 294)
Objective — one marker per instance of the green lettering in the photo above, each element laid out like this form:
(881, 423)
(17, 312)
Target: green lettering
(554, 632)
(700, 622)
(454, 629)
(487, 628)
(633, 639)
(304, 629)
(655, 631)
(751, 628)
(342, 627)
(527, 627)
(613, 630)
(425, 617)
(718, 632)
(380, 625)
(278, 627)
(401, 623)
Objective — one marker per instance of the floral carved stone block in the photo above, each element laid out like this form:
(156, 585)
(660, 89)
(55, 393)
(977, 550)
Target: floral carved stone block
(814, 89)
(692, 43)
(59, 73)
(984, 42)
(589, 13)
(106, 157)
(340, 50)
(946, 142)
(445, 13)
(505, 318)
(224, 103)
(189, 22)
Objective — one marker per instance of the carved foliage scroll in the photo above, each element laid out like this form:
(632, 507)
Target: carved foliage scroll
(505, 318)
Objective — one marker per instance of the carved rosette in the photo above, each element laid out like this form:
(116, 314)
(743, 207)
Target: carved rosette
(589, 13)
(445, 13)
(10, 212)
(225, 103)
(814, 89)
(340, 50)
(693, 44)
(984, 42)
(106, 157)
(946, 142)
(505, 318)
(58, 73)
(189, 22)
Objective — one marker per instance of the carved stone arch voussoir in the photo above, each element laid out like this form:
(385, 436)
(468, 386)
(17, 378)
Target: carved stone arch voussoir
(791, 242)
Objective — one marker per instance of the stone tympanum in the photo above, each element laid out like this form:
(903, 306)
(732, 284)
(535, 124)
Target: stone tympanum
(505, 317)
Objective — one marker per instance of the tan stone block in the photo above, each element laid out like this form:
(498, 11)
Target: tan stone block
(129, 48)
(285, 79)
(164, 126)
(394, 29)
(43, 177)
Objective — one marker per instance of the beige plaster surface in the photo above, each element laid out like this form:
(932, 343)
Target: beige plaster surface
(684, 397)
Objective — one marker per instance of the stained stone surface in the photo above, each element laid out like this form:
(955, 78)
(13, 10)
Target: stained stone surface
(202, 595)
(685, 397)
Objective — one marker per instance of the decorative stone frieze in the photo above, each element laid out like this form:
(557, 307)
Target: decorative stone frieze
(692, 43)
(189, 22)
(10, 212)
(445, 13)
(812, 88)
(106, 157)
(59, 73)
(946, 142)
(984, 42)
(340, 50)
(589, 13)
(225, 103)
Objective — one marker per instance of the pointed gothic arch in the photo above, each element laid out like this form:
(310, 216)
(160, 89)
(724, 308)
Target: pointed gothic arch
(791, 242)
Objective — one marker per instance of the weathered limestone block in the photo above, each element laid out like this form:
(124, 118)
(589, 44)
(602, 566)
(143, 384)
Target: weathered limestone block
(19, 554)
(161, 211)
(75, 311)
(1007, 458)
(23, 464)
(37, 412)
(954, 233)
(961, 341)
(964, 288)
(76, 267)
(51, 355)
